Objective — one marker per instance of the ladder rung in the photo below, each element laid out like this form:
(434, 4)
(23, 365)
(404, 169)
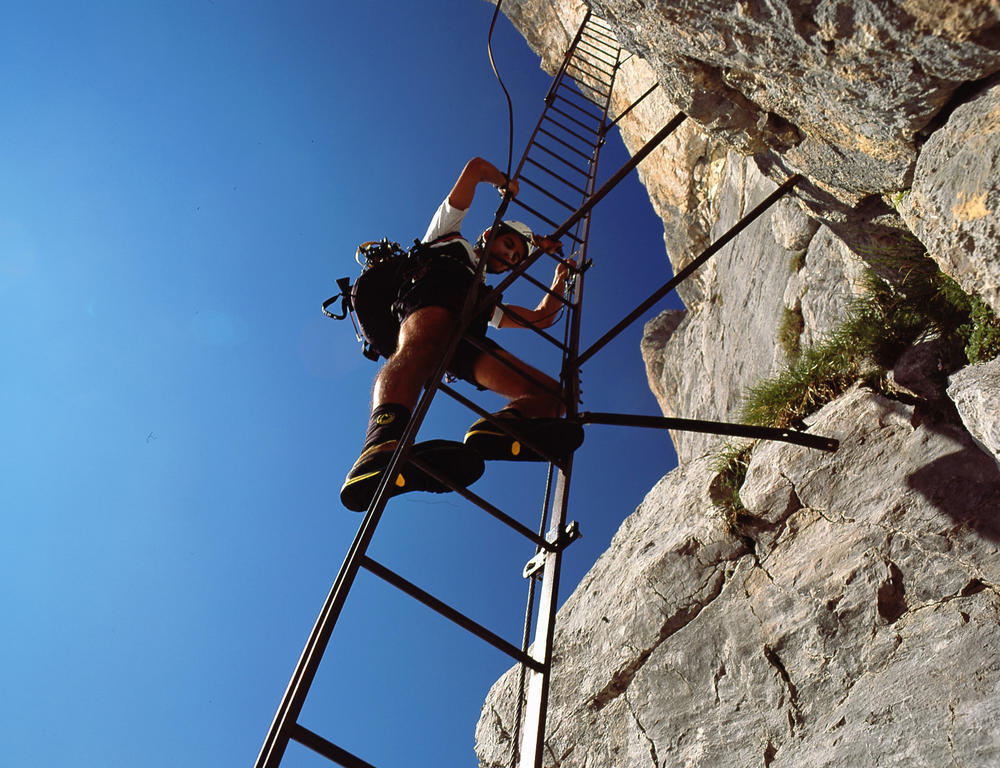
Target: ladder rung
(588, 158)
(555, 175)
(553, 294)
(604, 31)
(598, 42)
(449, 613)
(583, 81)
(601, 31)
(588, 113)
(543, 217)
(327, 749)
(525, 180)
(589, 59)
(593, 78)
(572, 119)
(571, 88)
(596, 54)
(587, 142)
(563, 160)
(548, 337)
(500, 424)
(479, 501)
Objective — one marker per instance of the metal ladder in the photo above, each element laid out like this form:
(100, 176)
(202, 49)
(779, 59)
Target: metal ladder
(557, 173)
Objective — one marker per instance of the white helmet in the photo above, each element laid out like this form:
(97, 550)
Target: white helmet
(518, 228)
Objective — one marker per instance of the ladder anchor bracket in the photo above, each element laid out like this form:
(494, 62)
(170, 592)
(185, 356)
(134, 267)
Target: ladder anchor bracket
(570, 533)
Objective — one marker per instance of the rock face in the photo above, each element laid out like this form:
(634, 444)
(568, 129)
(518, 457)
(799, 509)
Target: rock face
(852, 616)
(954, 206)
(853, 621)
(975, 390)
(841, 89)
(738, 302)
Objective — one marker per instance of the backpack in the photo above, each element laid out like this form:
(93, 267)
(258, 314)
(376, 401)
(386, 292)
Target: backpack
(387, 271)
(386, 268)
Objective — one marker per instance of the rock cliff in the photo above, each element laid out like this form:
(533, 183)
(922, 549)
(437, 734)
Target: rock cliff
(850, 613)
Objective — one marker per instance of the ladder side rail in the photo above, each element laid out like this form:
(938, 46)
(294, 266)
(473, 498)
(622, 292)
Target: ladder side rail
(533, 733)
(686, 272)
(290, 708)
(569, 53)
(536, 705)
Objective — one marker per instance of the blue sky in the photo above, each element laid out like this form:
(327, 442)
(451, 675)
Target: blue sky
(182, 184)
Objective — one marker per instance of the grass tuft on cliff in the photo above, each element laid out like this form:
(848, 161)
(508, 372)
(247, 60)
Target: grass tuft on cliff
(906, 299)
(730, 466)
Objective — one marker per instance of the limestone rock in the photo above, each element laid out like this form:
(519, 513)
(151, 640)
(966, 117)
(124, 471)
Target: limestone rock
(975, 390)
(859, 624)
(655, 335)
(728, 339)
(954, 205)
(829, 280)
(793, 229)
(840, 89)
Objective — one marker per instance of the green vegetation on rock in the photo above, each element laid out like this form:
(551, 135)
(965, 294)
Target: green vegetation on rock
(906, 299)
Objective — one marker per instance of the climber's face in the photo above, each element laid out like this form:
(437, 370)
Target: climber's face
(506, 252)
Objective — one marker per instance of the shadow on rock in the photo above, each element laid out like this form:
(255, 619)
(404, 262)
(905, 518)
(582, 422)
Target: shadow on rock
(965, 485)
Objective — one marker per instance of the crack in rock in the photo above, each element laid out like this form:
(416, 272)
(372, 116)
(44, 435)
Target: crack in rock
(621, 679)
(794, 716)
(638, 723)
(769, 752)
(890, 598)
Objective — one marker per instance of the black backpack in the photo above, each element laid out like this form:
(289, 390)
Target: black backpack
(386, 268)
(387, 271)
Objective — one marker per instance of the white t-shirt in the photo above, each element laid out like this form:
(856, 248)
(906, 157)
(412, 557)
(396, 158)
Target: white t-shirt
(447, 219)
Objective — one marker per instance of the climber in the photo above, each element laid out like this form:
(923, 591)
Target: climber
(428, 310)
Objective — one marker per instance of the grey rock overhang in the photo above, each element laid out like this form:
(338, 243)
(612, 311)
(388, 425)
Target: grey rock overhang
(842, 90)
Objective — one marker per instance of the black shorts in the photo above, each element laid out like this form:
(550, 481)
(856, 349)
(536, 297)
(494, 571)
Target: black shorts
(444, 283)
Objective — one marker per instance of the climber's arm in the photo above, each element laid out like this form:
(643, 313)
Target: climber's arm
(476, 171)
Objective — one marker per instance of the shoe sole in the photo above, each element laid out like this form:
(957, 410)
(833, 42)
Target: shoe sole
(557, 437)
(454, 461)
